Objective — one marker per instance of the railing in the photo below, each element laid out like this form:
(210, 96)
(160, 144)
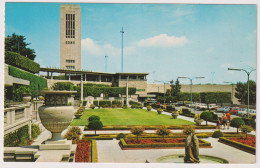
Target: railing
(17, 117)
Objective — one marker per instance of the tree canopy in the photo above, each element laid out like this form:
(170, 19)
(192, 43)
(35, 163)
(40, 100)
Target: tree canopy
(16, 43)
(241, 92)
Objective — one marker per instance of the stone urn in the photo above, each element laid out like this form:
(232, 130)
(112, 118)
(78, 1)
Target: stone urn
(56, 115)
(198, 121)
(26, 98)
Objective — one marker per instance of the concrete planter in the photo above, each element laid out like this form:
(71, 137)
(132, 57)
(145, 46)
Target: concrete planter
(26, 98)
(175, 116)
(77, 116)
(198, 121)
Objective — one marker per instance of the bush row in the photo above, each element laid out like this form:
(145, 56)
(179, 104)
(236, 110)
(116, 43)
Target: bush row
(241, 146)
(123, 144)
(17, 60)
(153, 127)
(94, 156)
(36, 83)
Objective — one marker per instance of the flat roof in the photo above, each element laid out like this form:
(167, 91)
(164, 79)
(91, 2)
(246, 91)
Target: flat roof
(63, 70)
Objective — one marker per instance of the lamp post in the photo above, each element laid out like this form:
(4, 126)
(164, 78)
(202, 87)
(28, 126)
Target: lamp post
(106, 63)
(248, 74)
(191, 83)
(232, 89)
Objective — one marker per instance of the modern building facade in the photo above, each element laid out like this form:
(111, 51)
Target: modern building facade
(70, 36)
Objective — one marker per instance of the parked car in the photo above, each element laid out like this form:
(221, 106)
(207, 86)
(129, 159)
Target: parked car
(224, 109)
(242, 111)
(233, 110)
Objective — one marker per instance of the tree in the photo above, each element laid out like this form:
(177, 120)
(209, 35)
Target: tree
(237, 122)
(137, 131)
(16, 43)
(176, 90)
(241, 92)
(162, 131)
(246, 129)
(206, 115)
(95, 125)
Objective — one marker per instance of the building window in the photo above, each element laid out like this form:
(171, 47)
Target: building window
(70, 67)
(70, 61)
(70, 25)
(70, 42)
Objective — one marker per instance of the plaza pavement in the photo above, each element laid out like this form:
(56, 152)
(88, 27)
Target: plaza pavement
(106, 147)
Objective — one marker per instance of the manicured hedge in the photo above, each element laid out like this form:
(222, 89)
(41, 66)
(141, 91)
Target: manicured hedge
(36, 83)
(152, 127)
(94, 154)
(124, 145)
(104, 103)
(17, 60)
(238, 145)
(213, 97)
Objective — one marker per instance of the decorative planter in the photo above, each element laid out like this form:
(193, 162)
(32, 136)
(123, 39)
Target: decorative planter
(77, 116)
(27, 98)
(56, 115)
(175, 116)
(198, 121)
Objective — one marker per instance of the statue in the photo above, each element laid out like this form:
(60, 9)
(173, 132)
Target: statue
(191, 148)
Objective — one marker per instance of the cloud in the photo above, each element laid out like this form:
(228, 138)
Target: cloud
(163, 40)
(93, 48)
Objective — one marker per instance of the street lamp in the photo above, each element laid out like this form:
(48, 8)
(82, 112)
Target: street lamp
(248, 74)
(232, 89)
(191, 83)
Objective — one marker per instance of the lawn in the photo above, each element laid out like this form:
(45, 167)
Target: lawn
(128, 117)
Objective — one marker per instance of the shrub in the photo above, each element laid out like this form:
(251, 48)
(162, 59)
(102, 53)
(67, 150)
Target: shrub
(119, 136)
(19, 91)
(125, 106)
(137, 131)
(35, 130)
(93, 117)
(162, 131)
(246, 129)
(250, 121)
(117, 103)
(63, 86)
(36, 83)
(95, 125)
(188, 130)
(95, 102)
(207, 116)
(92, 106)
(217, 134)
(104, 103)
(19, 61)
(73, 134)
(186, 111)
(237, 122)
(159, 111)
(149, 108)
(133, 102)
(136, 106)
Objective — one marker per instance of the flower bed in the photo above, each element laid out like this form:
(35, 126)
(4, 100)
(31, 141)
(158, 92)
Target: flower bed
(248, 141)
(157, 143)
(83, 151)
(241, 143)
(145, 135)
(152, 127)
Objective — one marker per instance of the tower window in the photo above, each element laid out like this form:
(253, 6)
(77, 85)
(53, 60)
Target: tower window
(70, 67)
(70, 25)
(70, 61)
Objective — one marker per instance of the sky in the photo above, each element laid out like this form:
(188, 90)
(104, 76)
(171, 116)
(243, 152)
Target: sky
(165, 40)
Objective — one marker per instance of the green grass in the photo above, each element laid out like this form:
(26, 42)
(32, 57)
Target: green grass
(128, 117)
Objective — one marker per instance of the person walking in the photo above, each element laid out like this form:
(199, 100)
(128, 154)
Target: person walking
(219, 123)
(228, 120)
(224, 121)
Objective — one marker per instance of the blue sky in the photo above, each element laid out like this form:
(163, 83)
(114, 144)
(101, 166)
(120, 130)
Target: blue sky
(165, 40)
